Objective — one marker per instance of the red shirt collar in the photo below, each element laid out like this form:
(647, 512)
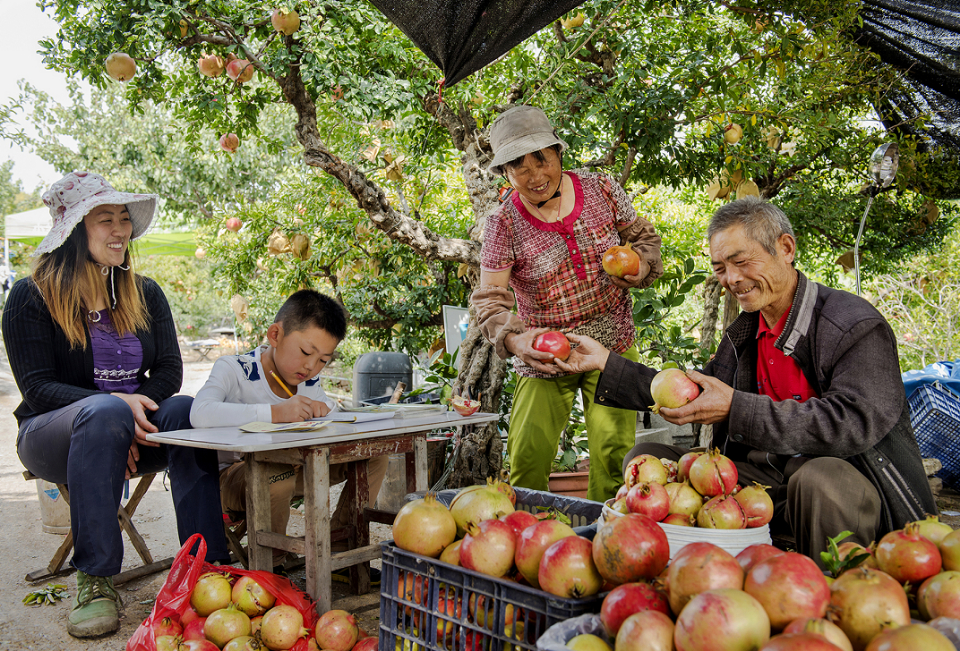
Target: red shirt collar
(776, 330)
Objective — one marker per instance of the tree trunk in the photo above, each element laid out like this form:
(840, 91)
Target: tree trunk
(731, 310)
(711, 309)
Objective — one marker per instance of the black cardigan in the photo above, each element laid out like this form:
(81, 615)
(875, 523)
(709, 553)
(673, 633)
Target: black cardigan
(51, 374)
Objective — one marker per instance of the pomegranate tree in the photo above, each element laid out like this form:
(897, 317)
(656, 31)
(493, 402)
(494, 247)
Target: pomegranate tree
(789, 586)
(567, 569)
(699, 567)
(628, 599)
(630, 548)
(722, 619)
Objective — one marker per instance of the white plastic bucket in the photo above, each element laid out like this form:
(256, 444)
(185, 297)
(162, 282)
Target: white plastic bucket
(731, 540)
(54, 510)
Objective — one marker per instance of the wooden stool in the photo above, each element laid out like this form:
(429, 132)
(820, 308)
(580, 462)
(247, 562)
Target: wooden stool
(124, 515)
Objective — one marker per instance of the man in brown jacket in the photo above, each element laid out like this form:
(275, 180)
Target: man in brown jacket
(804, 391)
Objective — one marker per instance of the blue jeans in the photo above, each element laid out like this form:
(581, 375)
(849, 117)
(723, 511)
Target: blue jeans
(85, 446)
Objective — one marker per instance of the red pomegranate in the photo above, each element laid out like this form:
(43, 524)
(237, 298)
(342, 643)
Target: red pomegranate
(907, 556)
(699, 567)
(533, 542)
(684, 499)
(911, 637)
(649, 630)
(671, 388)
(555, 343)
(649, 499)
(789, 586)
(519, 520)
(863, 602)
(644, 468)
(939, 596)
(933, 530)
(683, 466)
(721, 512)
(950, 551)
(756, 504)
(799, 642)
(628, 599)
(567, 568)
(756, 553)
(722, 619)
(680, 520)
(630, 548)
(821, 627)
(713, 474)
(488, 548)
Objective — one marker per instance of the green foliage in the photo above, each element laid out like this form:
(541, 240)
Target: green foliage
(194, 302)
(831, 557)
(659, 336)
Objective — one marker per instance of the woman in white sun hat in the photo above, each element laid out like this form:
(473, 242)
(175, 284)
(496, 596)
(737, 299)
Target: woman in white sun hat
(546, 243)
(94, 352)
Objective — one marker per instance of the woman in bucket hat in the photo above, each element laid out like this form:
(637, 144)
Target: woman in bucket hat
(93, 349)
(546, 242)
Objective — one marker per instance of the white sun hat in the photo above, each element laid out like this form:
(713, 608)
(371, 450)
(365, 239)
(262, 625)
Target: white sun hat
(521, 130)
(76, 194)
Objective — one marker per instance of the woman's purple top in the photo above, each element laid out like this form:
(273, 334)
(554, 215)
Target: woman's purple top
(116, 359)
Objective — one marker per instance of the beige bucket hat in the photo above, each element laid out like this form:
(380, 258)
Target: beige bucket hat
(76, 194)
(521, 130)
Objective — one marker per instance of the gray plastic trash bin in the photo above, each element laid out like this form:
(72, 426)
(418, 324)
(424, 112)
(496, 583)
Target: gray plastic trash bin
(377, 374)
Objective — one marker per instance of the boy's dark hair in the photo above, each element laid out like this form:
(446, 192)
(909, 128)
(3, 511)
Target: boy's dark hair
(308, 307)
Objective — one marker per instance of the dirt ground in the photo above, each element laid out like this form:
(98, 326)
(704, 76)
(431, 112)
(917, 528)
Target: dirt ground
(25, 547)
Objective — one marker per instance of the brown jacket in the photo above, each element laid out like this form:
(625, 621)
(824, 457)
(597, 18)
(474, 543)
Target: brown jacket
(848, 353)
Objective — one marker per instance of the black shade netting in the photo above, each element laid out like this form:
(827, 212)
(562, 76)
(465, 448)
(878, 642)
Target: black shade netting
(922, 38)
(462, 36)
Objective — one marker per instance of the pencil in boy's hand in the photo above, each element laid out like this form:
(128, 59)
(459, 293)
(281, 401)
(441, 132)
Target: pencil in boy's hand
(282, 385)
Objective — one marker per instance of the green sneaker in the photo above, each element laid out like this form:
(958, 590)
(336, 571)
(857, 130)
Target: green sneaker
(95, 608)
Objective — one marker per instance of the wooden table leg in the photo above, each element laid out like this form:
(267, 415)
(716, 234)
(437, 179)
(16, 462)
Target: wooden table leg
(420, 461)
(316, 511)
(358, 498)
(258, 513)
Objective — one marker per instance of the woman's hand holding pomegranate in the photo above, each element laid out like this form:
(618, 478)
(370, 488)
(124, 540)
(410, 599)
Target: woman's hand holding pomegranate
(711, 406)
(632, 281)
(589, 355)
(521, 345)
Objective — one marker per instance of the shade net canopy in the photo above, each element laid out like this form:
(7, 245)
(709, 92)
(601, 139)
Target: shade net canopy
(462, 36)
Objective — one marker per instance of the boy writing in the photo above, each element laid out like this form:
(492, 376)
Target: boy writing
(279, 383)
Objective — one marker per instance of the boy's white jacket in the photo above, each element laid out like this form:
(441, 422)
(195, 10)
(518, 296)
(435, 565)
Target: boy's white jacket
(237, 392)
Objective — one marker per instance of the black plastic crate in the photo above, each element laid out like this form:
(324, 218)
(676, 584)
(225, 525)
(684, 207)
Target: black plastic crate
(935, 416)
(462, 610)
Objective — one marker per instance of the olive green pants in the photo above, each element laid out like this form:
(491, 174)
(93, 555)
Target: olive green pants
(541, 409)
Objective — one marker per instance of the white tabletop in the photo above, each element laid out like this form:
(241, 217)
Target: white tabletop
(233, 440)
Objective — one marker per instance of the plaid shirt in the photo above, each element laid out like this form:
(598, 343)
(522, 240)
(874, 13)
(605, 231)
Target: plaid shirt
(555, 269)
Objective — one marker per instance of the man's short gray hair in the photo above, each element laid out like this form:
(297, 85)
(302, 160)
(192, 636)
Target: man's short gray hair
(763, 222)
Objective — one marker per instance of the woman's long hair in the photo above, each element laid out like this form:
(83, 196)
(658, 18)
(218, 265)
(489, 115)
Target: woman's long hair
(67, 275)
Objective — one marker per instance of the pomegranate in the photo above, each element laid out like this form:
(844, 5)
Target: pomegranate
(788, 586)
(680, 520)
(567, 568)
(212, 592)
(671, 388)
(188, 616)
(950, 551)
(167, 642)
(451, 553)
(229, 142)
(244, 643)
(699, 567)
(684, 499)
(251, 597)
(519, 520)
(121, 66)
(621, 261)
(683, 466)
(255, 624)
(464, 406)
(672, 468)
(848, 549)
(211, 65)
(721, 512)
(939, 596)
(194, 630)
(412, 588)
(285, 22)
(630, 548)
(649, 630)
(933, 530)
(506, 489)
(240, 70)
(233, 224)
(644, 468)
(799, 642)
(622, 492)
(911, 636)
(166, 626)
(197, 645)
(863, 602)
(823, 628)
(628, 599)
(482, 611)
(452, 607)
(722, 619)
(620, 506)
(488, 548)
(367, 644)
(649, 499)
(533, 542)
(336, 630)
(713, 474)
(478, 503)
(756, 553)
(907, 556)
(756, 504)
(555, 343)
(225, 624)
(281, 627)
(587, 642)
(424, 526)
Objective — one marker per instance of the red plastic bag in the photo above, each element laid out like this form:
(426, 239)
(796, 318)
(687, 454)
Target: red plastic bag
(174, 597)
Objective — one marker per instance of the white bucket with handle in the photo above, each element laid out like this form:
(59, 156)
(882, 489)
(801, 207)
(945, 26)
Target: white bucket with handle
(54, 510)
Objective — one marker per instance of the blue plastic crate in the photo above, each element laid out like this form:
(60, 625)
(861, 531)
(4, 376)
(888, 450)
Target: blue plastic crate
(935, 416)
